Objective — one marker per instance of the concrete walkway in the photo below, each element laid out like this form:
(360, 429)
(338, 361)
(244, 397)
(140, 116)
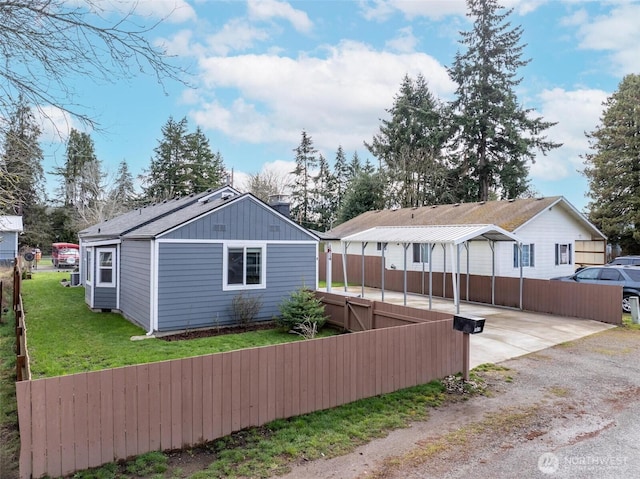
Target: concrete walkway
(508, 333)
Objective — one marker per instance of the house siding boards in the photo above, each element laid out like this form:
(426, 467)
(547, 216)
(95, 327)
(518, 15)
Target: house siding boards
(8, 246)
(193, 272)
(135, 281)
(105, 298)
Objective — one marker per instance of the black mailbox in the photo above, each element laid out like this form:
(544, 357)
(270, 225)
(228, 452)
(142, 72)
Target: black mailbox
(468, 324)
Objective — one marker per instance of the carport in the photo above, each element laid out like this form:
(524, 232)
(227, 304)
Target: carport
(450, 237)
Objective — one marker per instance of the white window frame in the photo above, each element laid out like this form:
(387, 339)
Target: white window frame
(225, 266)
(89, 266)
(423, 252)
(569, 254)
(99, 282)
(528, 261)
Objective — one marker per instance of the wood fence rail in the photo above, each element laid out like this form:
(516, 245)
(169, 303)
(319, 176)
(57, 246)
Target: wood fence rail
(74, 422)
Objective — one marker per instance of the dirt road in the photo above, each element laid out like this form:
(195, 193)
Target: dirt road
(572, 411)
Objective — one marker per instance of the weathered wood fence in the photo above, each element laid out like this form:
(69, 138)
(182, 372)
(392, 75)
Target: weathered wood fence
(579, 300)
(74, 422)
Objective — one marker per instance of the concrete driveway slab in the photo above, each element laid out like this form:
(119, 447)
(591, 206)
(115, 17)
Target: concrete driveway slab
(508, 333)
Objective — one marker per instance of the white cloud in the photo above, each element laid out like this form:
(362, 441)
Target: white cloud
(338, 99)
(381, 10)
(405, 42)
(616, 32)
(172, 11)
(54, 123)
(270, 9)
(236, 35)
(576, 111)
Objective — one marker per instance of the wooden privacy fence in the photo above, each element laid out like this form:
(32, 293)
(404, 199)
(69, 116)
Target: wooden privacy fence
(562, 298)
(73, 422)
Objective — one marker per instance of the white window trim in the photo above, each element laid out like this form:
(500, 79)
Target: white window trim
(99, 283)
(89, 259)
(225, 265)
(519, 253)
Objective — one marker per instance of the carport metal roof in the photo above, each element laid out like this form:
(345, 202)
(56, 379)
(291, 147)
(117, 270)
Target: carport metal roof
(452, 235)
(445, 234)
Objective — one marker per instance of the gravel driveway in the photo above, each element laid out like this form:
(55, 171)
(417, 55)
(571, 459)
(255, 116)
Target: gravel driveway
(571, 411)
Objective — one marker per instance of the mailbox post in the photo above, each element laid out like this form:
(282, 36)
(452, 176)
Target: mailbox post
(467, 325)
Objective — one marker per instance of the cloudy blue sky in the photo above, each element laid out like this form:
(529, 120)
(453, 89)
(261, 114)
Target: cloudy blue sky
(262, 71)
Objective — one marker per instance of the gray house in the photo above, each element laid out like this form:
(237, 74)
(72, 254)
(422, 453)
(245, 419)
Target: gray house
(179, 264)
(10, 229)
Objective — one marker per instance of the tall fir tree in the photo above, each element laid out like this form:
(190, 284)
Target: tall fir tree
(366, 193)
(324, 196)
(123, 191)
(183, 164)
(410, 145)
(613, 167)
(302, 187)
(341, 176)
(494, 137)
(22, 175)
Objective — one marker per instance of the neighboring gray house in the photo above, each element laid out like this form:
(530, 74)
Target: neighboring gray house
(179, 264)
(10, 229)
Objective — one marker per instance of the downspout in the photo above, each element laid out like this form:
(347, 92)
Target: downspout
(153, 283)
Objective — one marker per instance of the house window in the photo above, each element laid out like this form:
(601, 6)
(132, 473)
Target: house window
(528, 256)
(420, 253)
(89, 265)
(244, 267)
(105, 272)
(563, 254)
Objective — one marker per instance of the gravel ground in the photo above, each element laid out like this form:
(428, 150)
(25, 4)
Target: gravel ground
(571, 411)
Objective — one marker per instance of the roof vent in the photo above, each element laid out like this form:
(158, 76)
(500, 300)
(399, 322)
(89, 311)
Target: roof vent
(226, 195)
(482, 202)
(512, 200)
(434, 206)
(456, 204)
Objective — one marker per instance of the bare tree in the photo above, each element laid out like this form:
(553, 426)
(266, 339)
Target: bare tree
(269, 182)
(46, 43)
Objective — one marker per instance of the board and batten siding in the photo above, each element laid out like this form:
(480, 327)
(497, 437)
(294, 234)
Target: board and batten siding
(246, 220)
(135, 281)
(190, 293)
(8, 246)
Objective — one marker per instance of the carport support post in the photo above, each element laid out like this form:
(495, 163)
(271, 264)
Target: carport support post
(466, 343)
(364, 245)
(384, 246)
(405, 246)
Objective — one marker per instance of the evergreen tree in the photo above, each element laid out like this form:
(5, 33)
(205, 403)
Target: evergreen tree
(366, 193)
(613, 169)
(354, 168)
(167, 170)
(183, 164)
(410, 144)
(494, 136)
(324, 196)
(21, 173)
(81, 177)
(123, 191)
(341, 175)
(302, 188)
(204, 168)
(22, 176)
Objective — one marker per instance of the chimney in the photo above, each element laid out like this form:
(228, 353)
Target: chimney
(281, 204)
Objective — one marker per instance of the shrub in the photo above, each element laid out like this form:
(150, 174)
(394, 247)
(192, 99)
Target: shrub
(300, 312)
(244, 309)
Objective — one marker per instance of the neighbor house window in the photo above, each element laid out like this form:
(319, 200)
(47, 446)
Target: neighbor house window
(528, 257)
(563, 254)
(244, 267)
(379, 246)
(420, 253)
(105, 271)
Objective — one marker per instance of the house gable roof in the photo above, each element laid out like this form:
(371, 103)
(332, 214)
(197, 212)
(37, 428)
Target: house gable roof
(138, 218)
(11, 224)
(199, 209)
(509, 215)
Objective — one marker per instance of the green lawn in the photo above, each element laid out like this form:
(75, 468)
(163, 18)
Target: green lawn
(65, 337)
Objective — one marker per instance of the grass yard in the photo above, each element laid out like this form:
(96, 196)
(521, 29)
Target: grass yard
(65, 337)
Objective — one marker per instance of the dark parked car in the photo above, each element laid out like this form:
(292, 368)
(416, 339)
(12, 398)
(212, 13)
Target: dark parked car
(622, 260)
(626, 276)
